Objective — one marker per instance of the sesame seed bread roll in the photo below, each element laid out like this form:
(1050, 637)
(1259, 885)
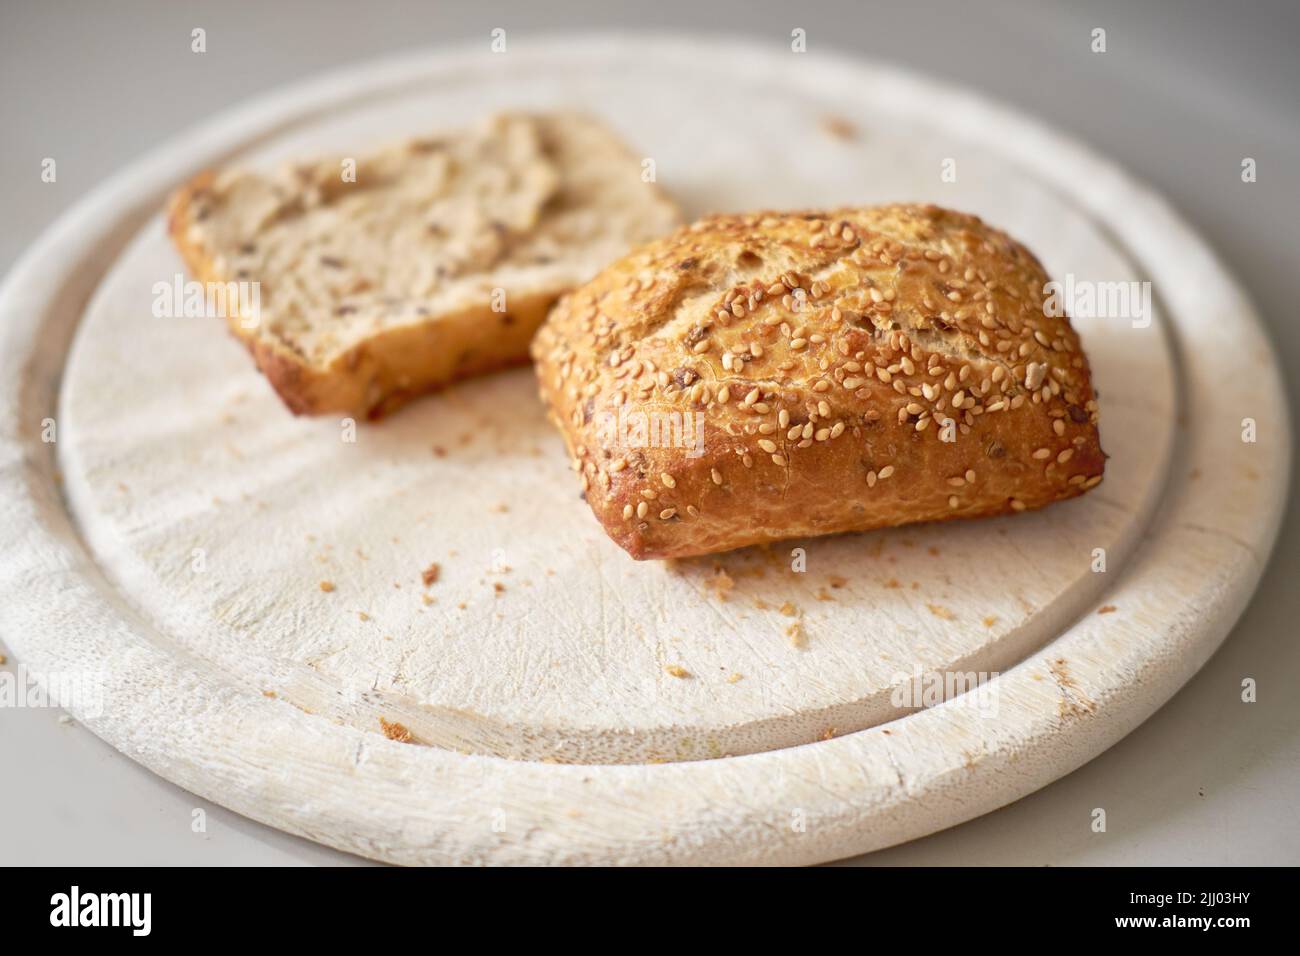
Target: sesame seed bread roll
(435, 261)
(779, 375)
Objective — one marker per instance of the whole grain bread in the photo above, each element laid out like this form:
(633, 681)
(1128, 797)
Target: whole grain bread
(778, 375)
(427, 262)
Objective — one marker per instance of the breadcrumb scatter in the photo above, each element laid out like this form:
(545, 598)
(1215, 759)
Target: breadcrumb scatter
(270, 693)
(327, 586)
(939, 611)
(990, 621)
(676, 670)
(1107, 609)
(362, 616)
(735, 678)
(789, 610)
(430, 574)
(395, 731)
(498, 587)
(796, 634)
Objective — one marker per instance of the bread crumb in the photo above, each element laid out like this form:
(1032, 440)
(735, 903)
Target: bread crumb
(676, 670)
(789, 610)
(827, 734)
(270, 693)
(735, 678)
(3, 660)
(796, 634)
(893, 583)
(430, 574)
(1107, 609)
(721, 583)
(498, 587)
(823, 595)
(428, 599)
(939, 611)
(839, 128)
(327, 586)
(362, 616)
(395, 731)
(990, 621)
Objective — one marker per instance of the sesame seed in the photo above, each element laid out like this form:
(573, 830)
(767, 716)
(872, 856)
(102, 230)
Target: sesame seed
(627, 512)
(668, 480)
(1042, 453)
(779, 460)
(767, 445)
(717, 477)
(1065, 456)
(1017, 504)
(886, 471)
(783, 418)
(952, 501)
(642, 509)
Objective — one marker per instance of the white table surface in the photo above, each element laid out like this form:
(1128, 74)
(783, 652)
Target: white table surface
(1185, 91)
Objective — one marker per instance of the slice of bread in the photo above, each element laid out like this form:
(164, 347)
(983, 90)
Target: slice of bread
(437, 261)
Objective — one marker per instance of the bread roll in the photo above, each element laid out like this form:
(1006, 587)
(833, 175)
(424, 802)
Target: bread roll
(779, 375)
(425, 262)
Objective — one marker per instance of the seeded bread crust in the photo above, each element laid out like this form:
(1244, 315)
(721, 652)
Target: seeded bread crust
(596, 182)
(830, 355)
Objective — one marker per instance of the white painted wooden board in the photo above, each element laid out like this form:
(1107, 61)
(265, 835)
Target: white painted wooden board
(546, 726)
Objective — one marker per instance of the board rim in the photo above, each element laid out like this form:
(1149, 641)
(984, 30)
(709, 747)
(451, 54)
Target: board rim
(846, 805)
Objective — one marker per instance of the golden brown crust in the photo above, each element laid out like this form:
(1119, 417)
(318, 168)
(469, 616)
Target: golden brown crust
(851, 369)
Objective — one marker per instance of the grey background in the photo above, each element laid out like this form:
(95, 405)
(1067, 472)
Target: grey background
(1185, 91)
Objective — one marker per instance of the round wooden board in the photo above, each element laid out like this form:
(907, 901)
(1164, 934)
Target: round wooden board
(181, 572)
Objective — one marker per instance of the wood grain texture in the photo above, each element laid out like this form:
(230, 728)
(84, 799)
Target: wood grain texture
(184, 452)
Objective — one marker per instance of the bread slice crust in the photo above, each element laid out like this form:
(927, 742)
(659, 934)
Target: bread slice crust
(848, 369)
